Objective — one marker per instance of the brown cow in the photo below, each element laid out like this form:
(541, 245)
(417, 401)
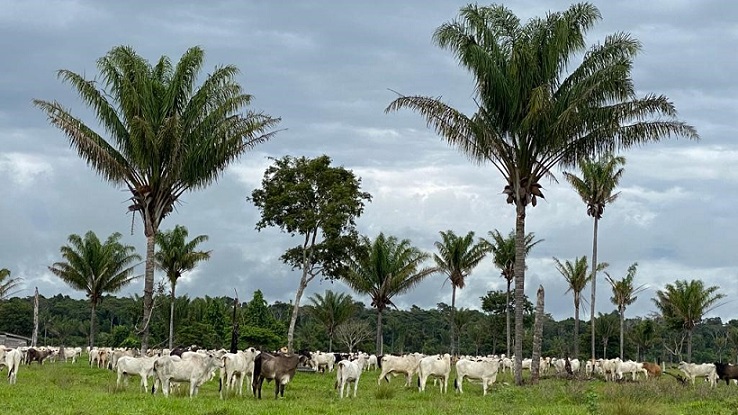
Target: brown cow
(653, 369)
(726, 371)
(36, 355)
(279, 367)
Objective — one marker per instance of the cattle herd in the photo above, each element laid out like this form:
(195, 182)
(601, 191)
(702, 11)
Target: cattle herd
(193, 367)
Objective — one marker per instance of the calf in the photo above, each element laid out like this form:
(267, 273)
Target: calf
(348, 372)
(196, 369)
(484, 370)
(278, 367)
(141, 366)
(406, 365)
(726, 371)
(236, 366)
(436, 366)
(693, 370)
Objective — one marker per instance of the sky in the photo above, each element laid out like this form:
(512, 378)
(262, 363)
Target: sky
(328, 69)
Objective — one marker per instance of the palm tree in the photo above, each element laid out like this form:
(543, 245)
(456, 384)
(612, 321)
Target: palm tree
(165, 135)
(332, 309)
(96, 268)
(503, 254)
(7, 284)
(623, 295)
(606, 325)
(457, 257)
(536, 110)
(595, 187)
(577, 277)
(684, 303)
(176, 256)
(384, 269)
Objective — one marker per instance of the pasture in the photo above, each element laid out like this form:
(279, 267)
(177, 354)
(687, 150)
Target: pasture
(76, 389)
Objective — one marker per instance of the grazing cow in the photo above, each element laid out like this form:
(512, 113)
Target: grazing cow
(236, 365)
(141, 366)
(37, 355)
(693, 371)
(196, 369)
(653, 370)
(726, 371)
(278, 367)
(436, 366)
(395, 365)
(484, 370)
(348, 372)
(629, 366)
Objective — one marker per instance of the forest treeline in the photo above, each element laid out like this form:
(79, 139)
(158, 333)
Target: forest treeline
(208, 322)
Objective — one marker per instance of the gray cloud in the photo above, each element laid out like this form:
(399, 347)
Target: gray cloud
(328, 69)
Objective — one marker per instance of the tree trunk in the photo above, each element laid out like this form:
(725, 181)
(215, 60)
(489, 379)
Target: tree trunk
(453, 322)
(93, 309)
(234, 326)
(148, 297)
(604, 348)
(171, 317)
(594, 285)
(507, 318)
(576, 329)
(34, 336)
(519, 289)
(537, 337)
(380, 343)
(689, 346)
(296, 309)
(330, 343)
(622, 326)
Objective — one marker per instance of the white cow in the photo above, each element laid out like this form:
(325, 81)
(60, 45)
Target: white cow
(371, 363)
(629, 366)
(319, 360)
(237, 366)
(12, 361)
(196, 369)
(348, 372)
(141, 366)
(484, 370)
(395, 365)
(693, 370)
(436, 366)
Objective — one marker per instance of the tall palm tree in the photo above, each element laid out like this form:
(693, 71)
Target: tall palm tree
(595, 187)
(503, 254)
(576, 275)
(536, 109)
(96, 268)
(457, 257)
(177, 255)
(383, 269)
(606, 325)
(684, 303)
(165, 135)
(623, 295)
(332, 309)
(7, 285)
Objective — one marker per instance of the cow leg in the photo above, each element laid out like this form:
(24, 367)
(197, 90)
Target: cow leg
(356, 386)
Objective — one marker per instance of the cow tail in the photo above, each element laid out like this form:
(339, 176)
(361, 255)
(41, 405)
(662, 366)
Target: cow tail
(379, 361)
(257, 370)
(456, 383)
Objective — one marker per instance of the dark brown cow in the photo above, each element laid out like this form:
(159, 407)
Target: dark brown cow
(34, 355)
(278, 367)
(726, 371)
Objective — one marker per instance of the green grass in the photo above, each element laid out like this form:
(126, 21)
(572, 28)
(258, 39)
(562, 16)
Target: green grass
(63, 388)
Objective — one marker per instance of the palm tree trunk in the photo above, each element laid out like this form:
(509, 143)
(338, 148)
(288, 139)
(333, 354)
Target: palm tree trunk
(594, 285)
(380, 343)
(604, 348)
(296, 309)
(507, 317)
(535, 365)
(453, 322)
(93, 315)
(148, 298)
(171, 319)
(330, 342)
(622, 326)
(576, 330)
(689, 346)
(519, 289)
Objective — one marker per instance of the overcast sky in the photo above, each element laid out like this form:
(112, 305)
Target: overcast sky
(326, 68)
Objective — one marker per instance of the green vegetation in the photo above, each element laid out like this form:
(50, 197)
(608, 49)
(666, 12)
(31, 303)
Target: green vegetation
(66, 389)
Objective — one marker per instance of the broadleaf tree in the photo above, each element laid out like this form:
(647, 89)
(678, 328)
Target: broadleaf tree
(160, 134)
(320, 203)
(537, 110)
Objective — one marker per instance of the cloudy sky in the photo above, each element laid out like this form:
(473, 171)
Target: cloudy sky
(326, 68)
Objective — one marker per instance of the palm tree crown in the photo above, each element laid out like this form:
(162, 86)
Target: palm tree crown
(599, 180)
(535, 110)
(332, 310)
(165, 136)
(386, 268)
(7, 284)
(96, 268)
(623, 295)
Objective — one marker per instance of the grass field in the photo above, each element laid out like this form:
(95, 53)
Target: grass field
(63, 388)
